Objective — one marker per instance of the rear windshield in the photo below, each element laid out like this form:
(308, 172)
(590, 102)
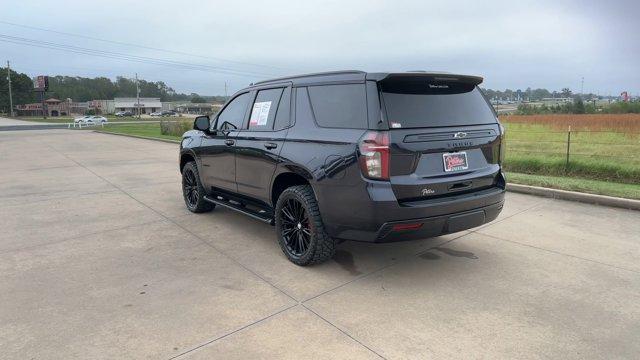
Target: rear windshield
(425, 104)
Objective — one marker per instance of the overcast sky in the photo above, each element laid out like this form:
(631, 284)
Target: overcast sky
(512, 44)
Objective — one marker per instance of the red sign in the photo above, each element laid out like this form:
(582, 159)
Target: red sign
(625, 96)
(41, 83)
(455, 161)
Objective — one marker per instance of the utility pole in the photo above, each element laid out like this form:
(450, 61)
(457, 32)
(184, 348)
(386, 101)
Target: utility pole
(138, 96)
(10, 96)
(225, 91)
(582, 86)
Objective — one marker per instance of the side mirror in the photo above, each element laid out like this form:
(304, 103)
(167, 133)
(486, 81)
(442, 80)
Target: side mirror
(201, 123)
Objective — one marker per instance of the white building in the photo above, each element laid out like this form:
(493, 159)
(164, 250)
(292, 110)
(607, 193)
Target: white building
(147, 105)
(102, 106)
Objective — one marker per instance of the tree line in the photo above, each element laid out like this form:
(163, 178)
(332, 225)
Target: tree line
(579, 106)
(531, 94)
(84, 89)
(21, 88)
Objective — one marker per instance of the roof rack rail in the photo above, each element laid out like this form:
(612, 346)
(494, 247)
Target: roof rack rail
(430, 71)
(310, 75)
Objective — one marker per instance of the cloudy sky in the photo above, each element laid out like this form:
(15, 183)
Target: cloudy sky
(550, 44)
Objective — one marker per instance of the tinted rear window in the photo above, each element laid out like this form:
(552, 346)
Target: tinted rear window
(424, 104)
(282, 116)
(339, 106)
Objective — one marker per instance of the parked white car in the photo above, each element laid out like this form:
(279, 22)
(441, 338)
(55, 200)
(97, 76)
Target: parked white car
(97, 119)
(157, 113)
(82, 119)
(91, 119)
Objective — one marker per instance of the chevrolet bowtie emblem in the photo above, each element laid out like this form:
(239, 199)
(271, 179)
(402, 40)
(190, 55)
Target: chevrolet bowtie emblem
(460, 135)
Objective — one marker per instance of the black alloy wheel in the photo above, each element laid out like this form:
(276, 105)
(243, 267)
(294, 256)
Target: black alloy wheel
(296, 231)
(301, 233)
(192, 190)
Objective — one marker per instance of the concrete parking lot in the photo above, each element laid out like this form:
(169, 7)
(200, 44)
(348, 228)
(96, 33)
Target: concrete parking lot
(100, 259)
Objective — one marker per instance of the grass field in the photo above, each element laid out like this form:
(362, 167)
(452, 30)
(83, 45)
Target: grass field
(595, 152)
(629, 191)
(586, 122)
(147, 130)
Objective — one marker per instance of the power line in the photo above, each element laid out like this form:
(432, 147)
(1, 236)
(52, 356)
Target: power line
(137, 45)
(111, 54)
(94, 54)
(75, 69)
(123, 56)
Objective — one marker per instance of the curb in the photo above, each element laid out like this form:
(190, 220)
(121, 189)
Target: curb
(139, 137)
(575, 196)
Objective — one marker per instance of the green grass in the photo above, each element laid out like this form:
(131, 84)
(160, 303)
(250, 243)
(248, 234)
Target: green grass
(175, 128)
(629, 191)
(147, 130)
(541, 150)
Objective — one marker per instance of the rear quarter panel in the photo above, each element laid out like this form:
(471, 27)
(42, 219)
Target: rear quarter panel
(327, 158)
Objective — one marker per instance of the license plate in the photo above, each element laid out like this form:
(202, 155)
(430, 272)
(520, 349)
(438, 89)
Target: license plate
(455, 161)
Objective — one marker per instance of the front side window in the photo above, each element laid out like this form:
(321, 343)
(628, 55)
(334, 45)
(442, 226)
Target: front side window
(233, 115)
(263, 111)
(339, 106)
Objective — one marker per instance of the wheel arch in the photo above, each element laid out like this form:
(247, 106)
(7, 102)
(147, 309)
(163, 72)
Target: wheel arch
(186, 157)
(286, 179)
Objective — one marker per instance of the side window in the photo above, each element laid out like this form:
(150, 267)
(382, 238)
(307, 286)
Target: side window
(263, 111)
(284, 109)
(339, 106)
(233, 115)
(303, 108)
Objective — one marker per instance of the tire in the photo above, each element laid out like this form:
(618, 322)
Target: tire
(302, 247)
(193, 191)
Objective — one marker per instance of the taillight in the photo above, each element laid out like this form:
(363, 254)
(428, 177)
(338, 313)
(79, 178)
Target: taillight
(406, 227)
(374, 155)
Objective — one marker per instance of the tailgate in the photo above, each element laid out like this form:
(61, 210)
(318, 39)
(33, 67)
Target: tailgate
(419, 159)
(444, 136)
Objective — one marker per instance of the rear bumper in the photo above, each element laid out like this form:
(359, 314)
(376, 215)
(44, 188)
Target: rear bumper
(439, 225)
(371, 215)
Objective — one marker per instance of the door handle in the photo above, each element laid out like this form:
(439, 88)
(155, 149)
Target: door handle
(270, 145)
(229, 142)
(460, 185)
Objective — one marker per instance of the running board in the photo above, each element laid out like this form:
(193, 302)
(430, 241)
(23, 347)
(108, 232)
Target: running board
(264, 217)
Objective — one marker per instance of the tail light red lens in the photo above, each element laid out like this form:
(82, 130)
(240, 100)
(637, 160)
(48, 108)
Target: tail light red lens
(406, 227)
(374, 155)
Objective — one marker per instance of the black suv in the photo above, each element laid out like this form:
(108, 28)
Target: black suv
(350, 155)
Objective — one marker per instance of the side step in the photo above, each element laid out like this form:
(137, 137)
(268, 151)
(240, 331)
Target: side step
(261, 215)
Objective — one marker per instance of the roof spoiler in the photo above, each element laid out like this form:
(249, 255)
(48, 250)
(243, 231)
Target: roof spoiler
(444, 77)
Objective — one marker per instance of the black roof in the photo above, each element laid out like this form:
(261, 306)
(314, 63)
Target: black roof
(357, 76)
(344, 75)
